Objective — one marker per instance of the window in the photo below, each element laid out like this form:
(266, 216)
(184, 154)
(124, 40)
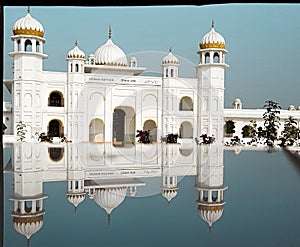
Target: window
(207, 57)
(38, 47)
(172, 73)
(186, 104)
(216, 58)
(56, 99)
(19, 45)
(28, 45)
(76, 67)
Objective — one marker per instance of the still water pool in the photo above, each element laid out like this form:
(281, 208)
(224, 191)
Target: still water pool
(149, 195)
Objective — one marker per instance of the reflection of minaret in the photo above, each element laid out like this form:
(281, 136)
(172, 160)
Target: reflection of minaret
(169, 179)
(28, 212)
(76, 193)
(209, 182)
(110, 198)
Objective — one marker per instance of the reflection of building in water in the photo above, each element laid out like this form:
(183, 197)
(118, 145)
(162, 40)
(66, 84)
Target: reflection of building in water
(209, 183)
(107, 174)
(28, 212)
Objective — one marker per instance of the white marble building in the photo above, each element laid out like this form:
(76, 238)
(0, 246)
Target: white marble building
(103, 97)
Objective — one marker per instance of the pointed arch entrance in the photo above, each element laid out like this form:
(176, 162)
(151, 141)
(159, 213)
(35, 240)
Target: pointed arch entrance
(152, 126)
(96, 130)
(55, 128)
(124, 124)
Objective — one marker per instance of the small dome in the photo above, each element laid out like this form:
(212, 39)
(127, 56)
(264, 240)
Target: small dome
(169, 194)
(291, 108)
(212, 40)
(237, 101)
(211, 214)
(27, 226)
(170, 58)
(28, 26)
(76, 52)
(110, 198)
(76, 199)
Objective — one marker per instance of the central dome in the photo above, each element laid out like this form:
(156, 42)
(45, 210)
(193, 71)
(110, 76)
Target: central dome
(110, 54)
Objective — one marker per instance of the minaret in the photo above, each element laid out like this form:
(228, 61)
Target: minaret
(210, 74)
(76, 95)
(210, 182)
(170, 65)
(27, 93)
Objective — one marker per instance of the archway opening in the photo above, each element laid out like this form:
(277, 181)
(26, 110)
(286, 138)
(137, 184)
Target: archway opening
(96, 130)
(55, 128)
(216, 57)
(151, 125)
(186, 130)
(28, 45)
(124, 124)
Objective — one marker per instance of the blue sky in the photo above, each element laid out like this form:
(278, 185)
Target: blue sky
(262, 42)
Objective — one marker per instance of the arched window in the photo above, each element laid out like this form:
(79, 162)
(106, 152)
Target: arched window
(172, 73)
(19, 45)
(166, 72)
(55, 128)
(76, 67)
(71, 67)
(186, 104)
(216, 58)
(186, 130)
(207, 57)
(28, 45)
(56, 99)
(38, 47)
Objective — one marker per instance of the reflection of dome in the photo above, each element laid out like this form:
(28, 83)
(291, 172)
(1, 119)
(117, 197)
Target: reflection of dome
(110, 54)
(28, 26)
(76, 199)
(210, 214)
(170, 58)
(110, 198)
(28, 225)
(169, 194)
(212, 40)
(76, 52)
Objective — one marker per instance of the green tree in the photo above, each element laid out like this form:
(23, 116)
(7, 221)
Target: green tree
(271, 123)
(229, 127)
(290, 132)
(21, 131)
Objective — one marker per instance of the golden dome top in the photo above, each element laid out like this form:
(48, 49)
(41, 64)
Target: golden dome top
(28, 26)
(212, 40)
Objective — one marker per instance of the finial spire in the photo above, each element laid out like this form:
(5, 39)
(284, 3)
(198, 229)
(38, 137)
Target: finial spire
(109, 32)
(76, 42)
(170, 49)
(213, 24)
(108, 220)
(28, 10)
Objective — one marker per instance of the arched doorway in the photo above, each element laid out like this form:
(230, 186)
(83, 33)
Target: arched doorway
(124, 124)
(55, 128)
(186, 130)
(55, 99)
(151, 125)
(96, 131)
